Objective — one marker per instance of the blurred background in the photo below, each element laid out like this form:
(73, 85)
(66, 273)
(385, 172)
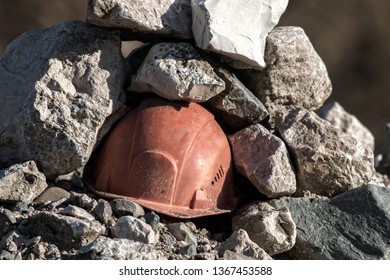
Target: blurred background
(352, 37)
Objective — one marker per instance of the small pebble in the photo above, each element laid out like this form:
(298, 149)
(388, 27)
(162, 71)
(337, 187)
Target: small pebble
(123, 207)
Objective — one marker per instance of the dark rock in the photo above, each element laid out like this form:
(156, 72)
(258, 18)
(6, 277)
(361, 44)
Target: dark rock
(328, 161)
(59, 86)
(152, 219)
(182, 233)
(353, 225)
(123, 207)
(103, 211)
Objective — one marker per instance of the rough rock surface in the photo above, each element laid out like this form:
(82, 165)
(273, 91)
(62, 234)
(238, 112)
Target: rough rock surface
(142, 19)
(353, 225)
(273, 229)
(239, 242)
(236, 29)
(334, 113)
(134, 229)
(328, 161)
(263, 158)
(21, 182)
(295, 75)
(236, 106)
(58, 87)
(176, 71)
(123, 207)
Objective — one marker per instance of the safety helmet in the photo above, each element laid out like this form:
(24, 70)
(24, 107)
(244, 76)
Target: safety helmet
(170, 157)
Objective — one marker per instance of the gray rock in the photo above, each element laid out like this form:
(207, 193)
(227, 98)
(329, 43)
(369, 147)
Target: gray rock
(236, 106)
(8, 214)
(142, 19)
(328, 161)
(72, 180)
(124, 207)
(176, 71)
(229, 255)
(263, 158)
(120, 249)
(59, 85)
(182, 233)
(188, 250)
(295, 77)
(5, 255)
(240, 243)
(51, 194)
(334, 113)
(134, 229)
(152, 219)
(77, 212)
(21, 182)
(20, 207)
(353, 225)
(236, 29)
(272, 229)
(103, 211)
(83, 200)
(69, 231)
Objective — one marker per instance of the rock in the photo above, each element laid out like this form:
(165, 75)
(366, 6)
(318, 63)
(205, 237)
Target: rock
(229, 255)
(143, 20)
(236, 106)
(328, 161)
(70, 181)
(8, 214)
(21, 182)
(152, 219)
(7, 219)
(263, 158)
(295, 77)
(353, 225)
(20, 207)
(176, 71)
(134, 229)
(77, 212)
(240, 243)
(234, 29)
(188, 250)
(120, 249)
(384, 162)
(59, 85)
(272, 229)
(83, 200)
(124, 207)
(334, 113)
(5, 255)
(103, 211)
(69, 231)
(182, 233)
(51, 194)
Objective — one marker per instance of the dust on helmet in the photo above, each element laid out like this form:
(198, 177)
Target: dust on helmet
(167, 156)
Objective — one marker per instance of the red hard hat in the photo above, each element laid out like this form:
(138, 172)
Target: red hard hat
(167, 156)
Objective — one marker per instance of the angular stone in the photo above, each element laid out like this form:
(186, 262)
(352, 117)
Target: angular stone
(354, 225)
(134, 229)
(123, 207)
(236, 29)
(176, 71)
(21, 182)
(51, 194)
(263, 158)
(140, 19)
(334, 113)
(272, 229)
(104, 248)
(69, 232)
(103, 211)
(328, 161)
(59, 85)
(182, 233)
(295, 76)
(240, 243)
(236, 106)
(77, 212)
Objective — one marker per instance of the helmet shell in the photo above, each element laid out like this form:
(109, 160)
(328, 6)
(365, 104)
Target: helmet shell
(170, 157)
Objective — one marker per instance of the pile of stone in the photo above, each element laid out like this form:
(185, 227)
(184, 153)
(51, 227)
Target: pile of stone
(310, 165)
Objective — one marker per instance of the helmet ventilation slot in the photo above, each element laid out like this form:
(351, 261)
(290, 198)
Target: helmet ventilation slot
(218, 176)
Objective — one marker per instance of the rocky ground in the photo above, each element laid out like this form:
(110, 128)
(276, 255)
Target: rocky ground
(307, 183)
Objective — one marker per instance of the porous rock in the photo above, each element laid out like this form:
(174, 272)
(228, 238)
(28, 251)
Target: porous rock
(59, 85)
(235, 29)
(328, 161)
(295, 76)
(354, 225)
(21, 182)
(263, 158)
(176, 71)
(273, 229)
(334, 113)
(134, 229)
(104, 248)
(143, 19)
(240, 243)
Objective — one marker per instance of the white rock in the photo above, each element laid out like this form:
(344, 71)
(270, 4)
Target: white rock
(236, 29)
(134, 229)
(176, 71)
